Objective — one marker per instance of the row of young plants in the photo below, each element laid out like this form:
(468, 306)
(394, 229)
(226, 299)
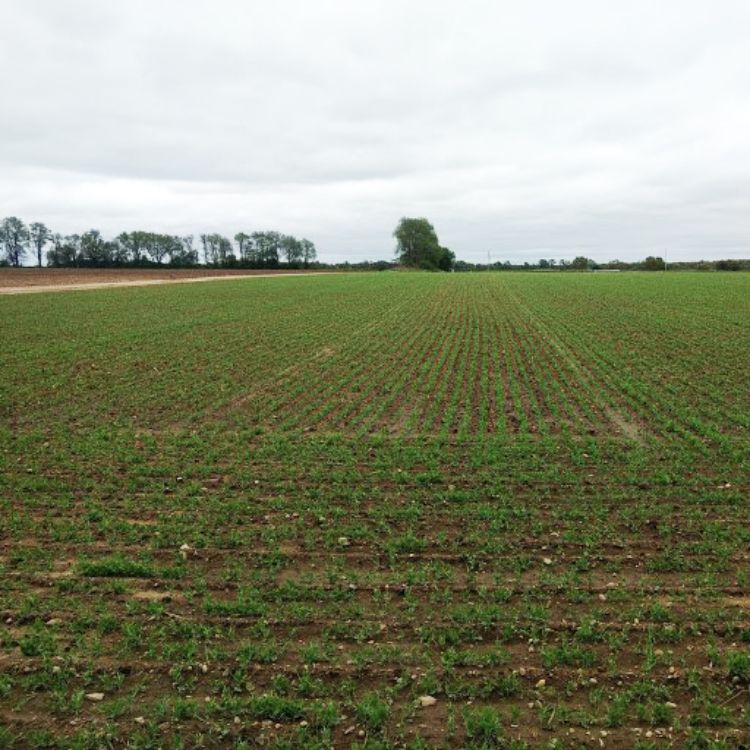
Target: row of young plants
(464, 621)
(285, 516)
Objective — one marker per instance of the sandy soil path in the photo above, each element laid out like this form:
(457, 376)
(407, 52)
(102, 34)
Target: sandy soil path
(148, 282)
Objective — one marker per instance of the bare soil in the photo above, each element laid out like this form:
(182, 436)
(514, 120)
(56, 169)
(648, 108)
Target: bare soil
(24, 280)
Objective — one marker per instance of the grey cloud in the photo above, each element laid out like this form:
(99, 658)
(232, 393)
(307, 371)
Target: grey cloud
(519, 129)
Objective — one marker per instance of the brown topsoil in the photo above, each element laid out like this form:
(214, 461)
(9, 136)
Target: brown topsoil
(19, 280)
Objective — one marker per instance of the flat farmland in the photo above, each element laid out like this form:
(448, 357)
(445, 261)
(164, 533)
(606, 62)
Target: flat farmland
(396, 510)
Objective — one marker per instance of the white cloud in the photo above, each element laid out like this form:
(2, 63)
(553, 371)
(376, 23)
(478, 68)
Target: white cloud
(541, 128)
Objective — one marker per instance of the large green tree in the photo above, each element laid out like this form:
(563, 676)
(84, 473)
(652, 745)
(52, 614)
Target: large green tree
(418, 246)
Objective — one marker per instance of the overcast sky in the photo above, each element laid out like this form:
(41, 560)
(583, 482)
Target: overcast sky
(525, 129)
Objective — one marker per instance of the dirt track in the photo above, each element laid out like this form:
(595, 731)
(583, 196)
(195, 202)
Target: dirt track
(33, 281)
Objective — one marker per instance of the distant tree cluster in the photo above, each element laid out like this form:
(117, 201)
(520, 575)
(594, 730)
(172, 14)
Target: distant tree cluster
(582, 263)
(147, 249)
(418, 246)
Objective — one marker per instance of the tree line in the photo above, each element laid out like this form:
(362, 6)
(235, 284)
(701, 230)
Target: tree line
(582, 263)
(417, 246)
(147, 249)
